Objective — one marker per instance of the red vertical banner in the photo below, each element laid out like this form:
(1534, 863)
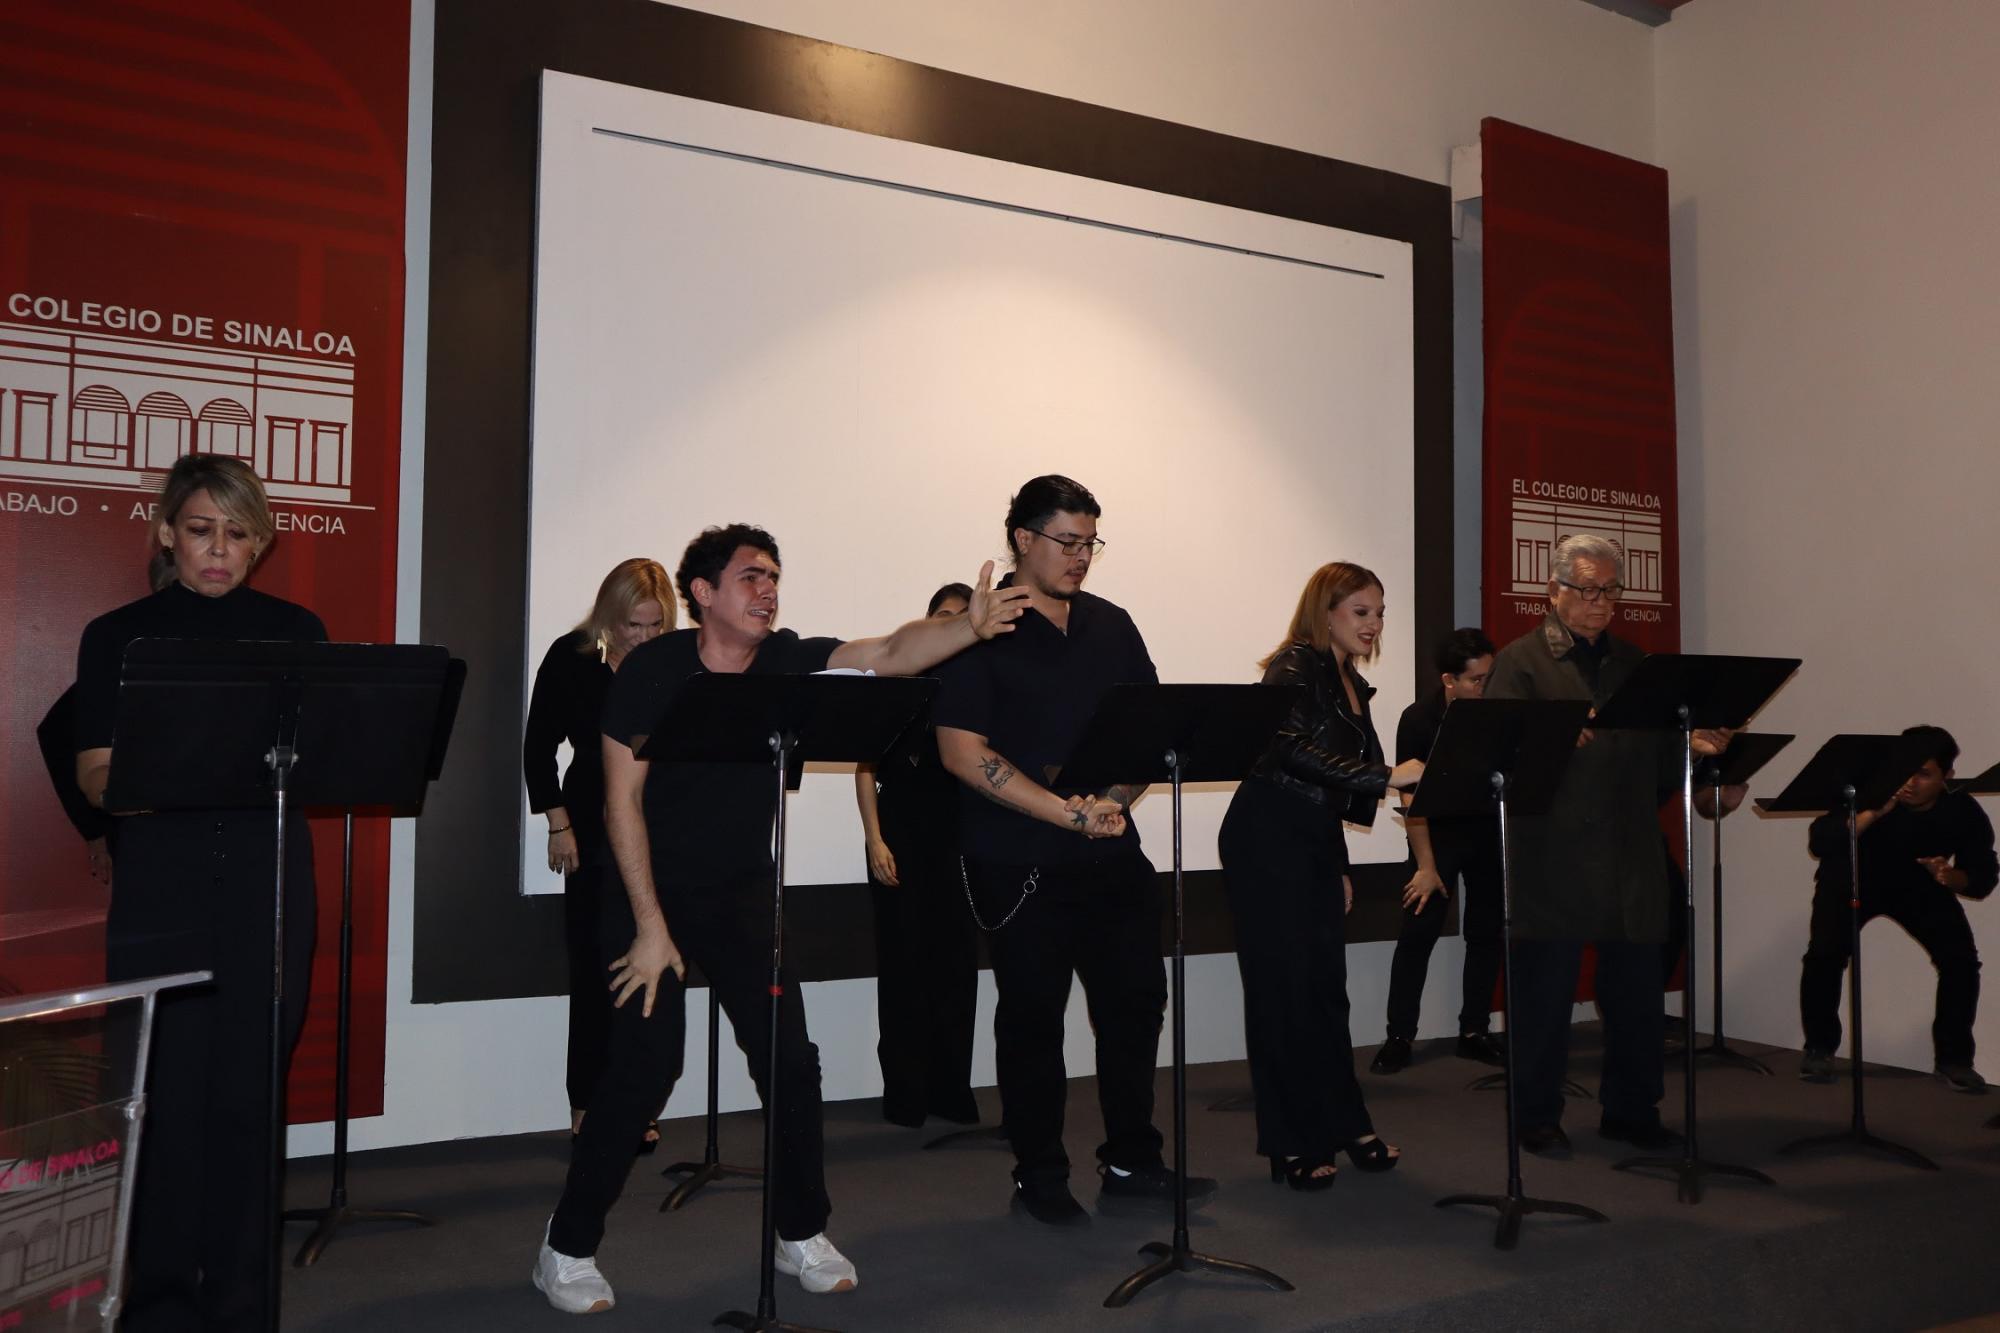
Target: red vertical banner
(201, 250)
(1579, 377)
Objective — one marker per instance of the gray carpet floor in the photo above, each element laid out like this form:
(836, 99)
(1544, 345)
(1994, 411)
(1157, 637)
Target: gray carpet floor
(1845, 1241)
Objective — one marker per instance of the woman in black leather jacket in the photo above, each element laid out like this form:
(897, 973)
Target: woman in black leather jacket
(1284, 861)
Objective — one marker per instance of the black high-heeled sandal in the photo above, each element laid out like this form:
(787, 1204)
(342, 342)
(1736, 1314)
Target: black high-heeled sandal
(1298, 1172)
(1374, 1154)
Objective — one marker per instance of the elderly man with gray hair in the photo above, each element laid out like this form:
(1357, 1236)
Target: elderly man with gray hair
(1591, 870)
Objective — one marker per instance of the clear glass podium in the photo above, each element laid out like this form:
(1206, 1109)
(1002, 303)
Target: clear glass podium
(72, 1098)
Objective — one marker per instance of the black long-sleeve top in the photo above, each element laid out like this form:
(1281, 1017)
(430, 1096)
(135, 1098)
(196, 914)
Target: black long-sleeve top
(1955, 827)
(568, 705)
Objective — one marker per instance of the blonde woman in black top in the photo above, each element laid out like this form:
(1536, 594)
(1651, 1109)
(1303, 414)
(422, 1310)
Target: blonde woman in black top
(193, 892)
(635, 604)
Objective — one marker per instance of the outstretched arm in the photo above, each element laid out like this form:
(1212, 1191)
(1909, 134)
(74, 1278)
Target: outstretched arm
(920, 645)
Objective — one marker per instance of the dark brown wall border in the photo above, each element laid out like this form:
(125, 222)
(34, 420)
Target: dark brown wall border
(476, 938)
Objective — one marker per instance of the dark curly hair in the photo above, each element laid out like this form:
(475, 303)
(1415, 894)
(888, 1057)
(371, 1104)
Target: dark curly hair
(709, 554)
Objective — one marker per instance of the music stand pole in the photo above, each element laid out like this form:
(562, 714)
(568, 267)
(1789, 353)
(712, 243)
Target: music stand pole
(711, 1167)
(1690, 1167)
(337, 1213)
(1180, 1256)
(1857, 1132)
(281, 757)
(1514, 1204)
(1718, 1048)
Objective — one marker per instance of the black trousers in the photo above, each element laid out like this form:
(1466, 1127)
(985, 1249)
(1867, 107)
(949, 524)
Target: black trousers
(725, 930)
(1936, 920)
(926, 986)
(1100, 922)
(589, 981)
(1282, 859)
(1629, 994)
(1477, 880)
(193, 891)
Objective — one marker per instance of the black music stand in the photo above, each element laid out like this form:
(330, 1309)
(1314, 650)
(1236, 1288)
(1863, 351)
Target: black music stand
(328, 1221)
(785, 721)
(1748, 752)
(1490, 755)
(1684, 692)
(711, 1167)
(1854, 773)
(228, 725)
(1985, 784)
(1179, 734)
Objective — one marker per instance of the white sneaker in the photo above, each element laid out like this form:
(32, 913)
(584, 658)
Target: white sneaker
(816, 1264)
(572, 1285)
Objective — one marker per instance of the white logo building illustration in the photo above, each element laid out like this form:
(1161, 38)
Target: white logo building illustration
(115, 412)
(1540, 524)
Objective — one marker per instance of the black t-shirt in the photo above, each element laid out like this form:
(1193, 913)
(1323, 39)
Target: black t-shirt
(704, 822)
(1455, 841)
(175, 612)
(1031, 694)
(1955, 827)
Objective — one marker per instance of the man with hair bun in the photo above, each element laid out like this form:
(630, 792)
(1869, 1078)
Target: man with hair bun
(1590, 870)
(1056, 876)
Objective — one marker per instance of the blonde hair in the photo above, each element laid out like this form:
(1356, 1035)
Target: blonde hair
(230, 483)
(1330, 585)
(630, 583)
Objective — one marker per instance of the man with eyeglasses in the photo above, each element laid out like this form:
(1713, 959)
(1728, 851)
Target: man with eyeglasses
(1057, 877)
(1590, 870)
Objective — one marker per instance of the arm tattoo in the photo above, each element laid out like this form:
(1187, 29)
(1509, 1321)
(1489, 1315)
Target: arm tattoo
(1078, 820)
(997, 773)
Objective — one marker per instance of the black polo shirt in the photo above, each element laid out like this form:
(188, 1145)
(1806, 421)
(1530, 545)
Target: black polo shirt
(705, 822)
(1031, 694)
(1456, 841)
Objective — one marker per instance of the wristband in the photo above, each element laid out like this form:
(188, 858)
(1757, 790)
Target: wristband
(564, 829)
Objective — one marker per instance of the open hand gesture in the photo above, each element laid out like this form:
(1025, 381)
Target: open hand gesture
(994, 611)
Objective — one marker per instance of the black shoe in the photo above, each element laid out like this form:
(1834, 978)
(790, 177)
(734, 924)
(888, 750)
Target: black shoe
(1816, 1066)
(1483, 1047)
(1545, 1141)
(1050, 1203)
(907, 1117)
(1650, 1135)
(1393, 1058)
(1150, 1182)
(1962, 1078)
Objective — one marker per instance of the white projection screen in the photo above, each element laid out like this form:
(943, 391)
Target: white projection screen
(866, 345)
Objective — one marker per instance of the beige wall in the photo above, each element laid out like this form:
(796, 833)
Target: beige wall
(1837, 316)
(1385, 83)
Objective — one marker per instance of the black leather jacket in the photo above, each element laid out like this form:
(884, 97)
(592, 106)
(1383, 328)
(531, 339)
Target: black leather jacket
(1322, 751)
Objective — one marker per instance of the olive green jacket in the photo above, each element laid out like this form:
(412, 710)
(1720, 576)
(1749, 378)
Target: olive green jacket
(1594, 867)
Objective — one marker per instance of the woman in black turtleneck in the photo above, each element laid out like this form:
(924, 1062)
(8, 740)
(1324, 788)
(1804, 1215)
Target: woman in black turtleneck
(193, 891)
(1284, 866)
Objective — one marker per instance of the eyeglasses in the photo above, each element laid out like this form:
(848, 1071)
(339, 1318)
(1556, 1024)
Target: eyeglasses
(1612, 590)
(1073, 546)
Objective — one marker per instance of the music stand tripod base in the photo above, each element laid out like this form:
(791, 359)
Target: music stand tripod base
(1179, 1259)
(745, 1320)
(1860, 1137)
(1498, 1079)
(1689, 1170)
(1514, 1207)
(711, 1167)
(1722, 1053)
(331, 1219)
(976, 1134)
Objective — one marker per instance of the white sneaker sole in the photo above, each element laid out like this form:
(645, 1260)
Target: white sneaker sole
(812, 1284)
(595, 1307)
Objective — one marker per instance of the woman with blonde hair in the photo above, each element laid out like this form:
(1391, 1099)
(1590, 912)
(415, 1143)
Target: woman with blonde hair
(635, 603)
(1284, 865)
(193, 892)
